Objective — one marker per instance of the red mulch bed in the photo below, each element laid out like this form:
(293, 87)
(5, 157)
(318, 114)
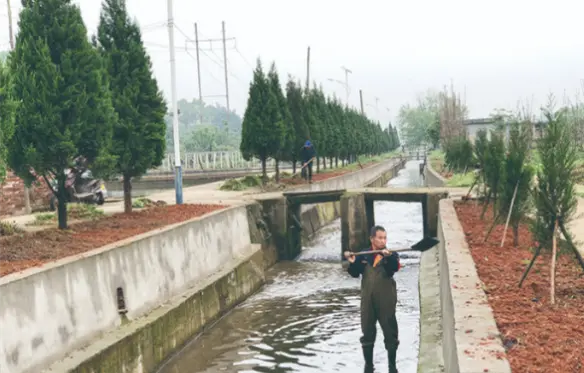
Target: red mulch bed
(27, 250)
(539, 337)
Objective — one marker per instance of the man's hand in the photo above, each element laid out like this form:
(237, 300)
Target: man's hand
(386, 252)
(350, 256)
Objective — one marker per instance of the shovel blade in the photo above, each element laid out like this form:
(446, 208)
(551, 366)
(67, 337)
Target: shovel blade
(425, 244)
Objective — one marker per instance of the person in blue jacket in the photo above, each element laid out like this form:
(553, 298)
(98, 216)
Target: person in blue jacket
(308, 153)
(378, 296)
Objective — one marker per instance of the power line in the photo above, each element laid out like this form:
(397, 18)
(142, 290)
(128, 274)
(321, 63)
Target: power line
(243, 58)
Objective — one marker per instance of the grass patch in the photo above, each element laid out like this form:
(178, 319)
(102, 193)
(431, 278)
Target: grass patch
(75, 211)
(461, 180)
(243, 183)
(9, 229)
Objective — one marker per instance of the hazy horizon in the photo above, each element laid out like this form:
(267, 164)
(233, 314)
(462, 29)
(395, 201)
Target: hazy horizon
(496, 54)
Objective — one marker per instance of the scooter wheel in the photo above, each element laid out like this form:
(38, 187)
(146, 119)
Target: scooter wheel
(99, 199)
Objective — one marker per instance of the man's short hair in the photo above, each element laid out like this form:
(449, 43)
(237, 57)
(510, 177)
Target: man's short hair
(375, 229)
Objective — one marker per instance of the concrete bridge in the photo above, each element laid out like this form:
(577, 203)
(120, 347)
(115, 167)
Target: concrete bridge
(356, 211)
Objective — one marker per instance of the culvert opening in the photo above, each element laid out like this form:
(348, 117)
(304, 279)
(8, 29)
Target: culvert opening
(121, 301)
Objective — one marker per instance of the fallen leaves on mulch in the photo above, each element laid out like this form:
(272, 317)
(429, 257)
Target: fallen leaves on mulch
(538, 337)
(27, 250)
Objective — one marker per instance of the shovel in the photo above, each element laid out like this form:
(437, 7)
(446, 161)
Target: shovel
(425, 244)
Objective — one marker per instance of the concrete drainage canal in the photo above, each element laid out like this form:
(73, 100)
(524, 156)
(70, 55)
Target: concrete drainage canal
(306, 318)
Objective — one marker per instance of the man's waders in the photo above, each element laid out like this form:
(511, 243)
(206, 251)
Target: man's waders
(378, 304)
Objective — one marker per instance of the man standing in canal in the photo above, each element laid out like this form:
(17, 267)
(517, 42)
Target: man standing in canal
(378, 296)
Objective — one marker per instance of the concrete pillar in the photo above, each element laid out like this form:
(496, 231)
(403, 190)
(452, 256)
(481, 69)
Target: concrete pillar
(354, 222)
(370, 211)
(294, 233)
(276, 211)
(430, 205)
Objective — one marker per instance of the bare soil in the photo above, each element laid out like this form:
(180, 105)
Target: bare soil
(539, 337)
(26, 250)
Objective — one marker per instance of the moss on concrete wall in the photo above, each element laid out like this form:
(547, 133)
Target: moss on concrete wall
(142, 345)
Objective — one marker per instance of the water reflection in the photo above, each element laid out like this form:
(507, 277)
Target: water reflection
(306, 318)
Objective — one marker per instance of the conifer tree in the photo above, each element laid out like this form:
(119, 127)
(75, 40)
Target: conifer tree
(261, 130)
(554, 196)
(139, 133)
(64, 108)
(7, 107)
(283, 125)
(300, 129)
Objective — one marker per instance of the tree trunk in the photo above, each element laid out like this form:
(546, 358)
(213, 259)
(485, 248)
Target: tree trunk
(293, 166)
(317, 164)
(277, 171)
(264, 173)
(331, 162)
(324, 163)
(62, 201)
(515, 234)
(337, 162)
(127, 194)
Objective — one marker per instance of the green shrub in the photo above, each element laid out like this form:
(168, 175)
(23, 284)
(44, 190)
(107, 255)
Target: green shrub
(458, 155)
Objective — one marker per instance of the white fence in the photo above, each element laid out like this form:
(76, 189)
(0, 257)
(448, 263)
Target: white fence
(215, 161)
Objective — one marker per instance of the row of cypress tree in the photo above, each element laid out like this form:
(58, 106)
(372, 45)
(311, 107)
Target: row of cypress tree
(74, 97)
(276, 124)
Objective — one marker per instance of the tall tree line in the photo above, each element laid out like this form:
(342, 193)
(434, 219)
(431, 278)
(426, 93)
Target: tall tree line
(76, 99)
(277, 122)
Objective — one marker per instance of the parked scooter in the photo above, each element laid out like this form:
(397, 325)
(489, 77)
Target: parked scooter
(81, 187)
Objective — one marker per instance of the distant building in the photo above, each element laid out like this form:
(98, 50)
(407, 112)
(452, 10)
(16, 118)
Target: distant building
(473, 126)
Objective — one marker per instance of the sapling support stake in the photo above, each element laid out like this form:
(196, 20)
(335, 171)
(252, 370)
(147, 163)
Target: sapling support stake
(569, 240)
(495, 220)
(535, 255)
(553, 269)
(476, 179)
(510, 211)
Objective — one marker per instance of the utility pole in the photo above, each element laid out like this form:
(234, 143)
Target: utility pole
(225, 64)
(27, 208)
(308, 69)
(10, 31)
(199, 73)
(177, 163)
(347, 72)
(361, 97)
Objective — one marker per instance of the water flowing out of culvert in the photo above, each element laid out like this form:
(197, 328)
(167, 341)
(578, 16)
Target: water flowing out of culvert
(306, 318)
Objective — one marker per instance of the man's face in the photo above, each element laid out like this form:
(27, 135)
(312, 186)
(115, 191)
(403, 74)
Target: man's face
(379, 241)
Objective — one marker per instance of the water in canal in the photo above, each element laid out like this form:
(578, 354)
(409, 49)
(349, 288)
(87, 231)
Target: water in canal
(306, 318)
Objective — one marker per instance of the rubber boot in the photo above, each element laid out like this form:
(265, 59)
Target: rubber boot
(391, 360)
(368, 355)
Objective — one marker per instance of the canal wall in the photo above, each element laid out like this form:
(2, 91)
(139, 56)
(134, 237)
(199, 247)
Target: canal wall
(126, 307)
(458, 333)
(433, 178)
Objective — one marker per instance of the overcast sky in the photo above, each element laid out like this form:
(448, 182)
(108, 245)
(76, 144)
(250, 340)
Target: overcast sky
(498, 52)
